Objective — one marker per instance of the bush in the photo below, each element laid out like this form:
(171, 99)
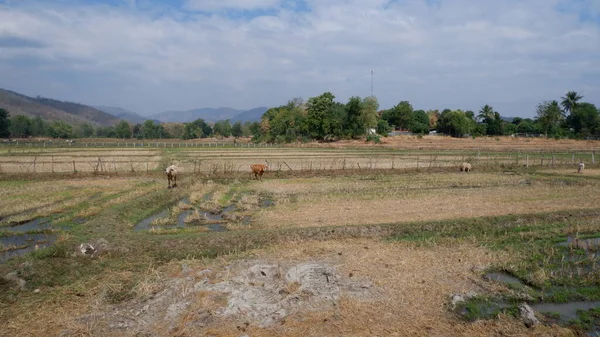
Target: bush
(374, 138)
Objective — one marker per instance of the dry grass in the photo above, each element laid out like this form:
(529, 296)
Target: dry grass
(414, 152)
(331, 202)
(29, 200)
(414, 283)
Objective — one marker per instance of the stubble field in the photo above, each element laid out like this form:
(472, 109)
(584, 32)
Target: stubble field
(344, 239)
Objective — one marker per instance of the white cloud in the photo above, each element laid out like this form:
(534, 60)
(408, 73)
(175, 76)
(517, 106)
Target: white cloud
(457, 53)
(216, 5)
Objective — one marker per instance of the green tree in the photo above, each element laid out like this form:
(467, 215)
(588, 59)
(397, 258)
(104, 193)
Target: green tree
(191, 131)
(455, 123)
(106, 132)
(486, 113)
(510, 129)
(368, 112)
(60, 129)
(256, 131)
(123, 130)
(526, 126)
(354, 125)
(549, 116)
(236, 129)
(207, 131)
(246, 132)
(38, 127)
(383, 128)
(20, 126)
(4, 123)
(333, 122)
(584, 119)
(420, 122)
(87, 130)
(492, 120)
(318, 109)
(137, 131)
(570, 101)
(149, 130)
(402, 114)
(222, 128)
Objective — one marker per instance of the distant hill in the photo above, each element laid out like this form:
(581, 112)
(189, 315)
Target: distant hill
(51, 109)
(208, 114)
(124, 114)
(507, 119)
(252, 115)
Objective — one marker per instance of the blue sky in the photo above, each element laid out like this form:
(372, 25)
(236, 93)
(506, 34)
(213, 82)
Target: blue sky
(150, 56)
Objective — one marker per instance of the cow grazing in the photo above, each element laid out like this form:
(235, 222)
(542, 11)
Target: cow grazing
(172, 172)
(258, 170)
(465, 167)
(580, 167)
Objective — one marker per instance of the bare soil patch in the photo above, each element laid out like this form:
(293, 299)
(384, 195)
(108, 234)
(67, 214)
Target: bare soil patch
(349, 287)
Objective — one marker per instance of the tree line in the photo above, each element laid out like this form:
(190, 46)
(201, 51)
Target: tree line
(323, 118)
(20, 126)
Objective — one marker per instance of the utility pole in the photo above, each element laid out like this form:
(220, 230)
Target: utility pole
(371, 82)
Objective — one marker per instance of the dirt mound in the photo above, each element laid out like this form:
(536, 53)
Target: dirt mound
(247, 293)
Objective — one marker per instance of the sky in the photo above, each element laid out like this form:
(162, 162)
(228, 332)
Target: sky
(150, 56)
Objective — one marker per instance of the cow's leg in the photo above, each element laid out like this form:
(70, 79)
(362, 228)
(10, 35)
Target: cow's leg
(260, 175)
(175, 181)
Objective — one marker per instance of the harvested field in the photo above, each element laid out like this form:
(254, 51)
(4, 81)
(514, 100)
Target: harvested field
(323, 250)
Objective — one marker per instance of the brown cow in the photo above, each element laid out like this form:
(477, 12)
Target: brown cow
(258, 170)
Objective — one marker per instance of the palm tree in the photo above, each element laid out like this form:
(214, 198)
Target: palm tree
(570, 100)
(486, 113)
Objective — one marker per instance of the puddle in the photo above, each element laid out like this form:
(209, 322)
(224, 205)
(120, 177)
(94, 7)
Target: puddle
(217, 227)
(37, 224)
(205, 216)
(566, 311)
(267, 203)
(483, 310)
(19, 242)
(228, 209)
(503, 277)
(586, 244)
(145, 224)
(25, 243)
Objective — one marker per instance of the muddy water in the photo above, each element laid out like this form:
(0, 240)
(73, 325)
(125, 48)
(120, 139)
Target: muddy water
(567, 311)
(586, 244)
(23, 243)
(503, 277)
(33, 225)
(18, 241)
(145, 224)
(216, 222)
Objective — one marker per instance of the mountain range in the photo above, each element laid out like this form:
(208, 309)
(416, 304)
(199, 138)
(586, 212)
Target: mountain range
(211, 115)
(77, 113)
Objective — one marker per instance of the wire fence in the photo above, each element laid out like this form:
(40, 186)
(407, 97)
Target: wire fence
(63, 162)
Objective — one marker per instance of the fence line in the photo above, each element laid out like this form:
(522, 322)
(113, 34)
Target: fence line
(141, 145)
(116, 164)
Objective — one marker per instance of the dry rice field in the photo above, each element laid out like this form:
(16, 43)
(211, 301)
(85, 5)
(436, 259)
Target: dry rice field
(343, 239)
